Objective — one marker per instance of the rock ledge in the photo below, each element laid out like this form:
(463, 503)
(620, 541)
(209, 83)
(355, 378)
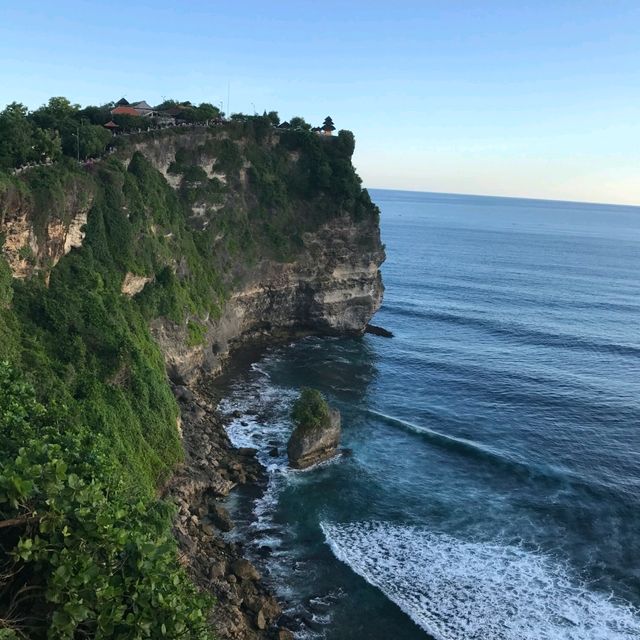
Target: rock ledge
(309, 445)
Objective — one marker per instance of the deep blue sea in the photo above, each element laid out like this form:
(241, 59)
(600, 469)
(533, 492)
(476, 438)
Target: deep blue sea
(493, 492)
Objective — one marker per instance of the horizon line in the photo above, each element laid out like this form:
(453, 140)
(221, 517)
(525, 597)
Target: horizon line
(487, 195)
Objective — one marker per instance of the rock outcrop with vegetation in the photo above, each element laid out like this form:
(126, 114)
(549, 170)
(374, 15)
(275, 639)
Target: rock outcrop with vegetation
(317, 430)
(120, 282)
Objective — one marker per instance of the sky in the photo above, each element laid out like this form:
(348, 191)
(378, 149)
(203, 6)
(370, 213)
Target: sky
(517, 98)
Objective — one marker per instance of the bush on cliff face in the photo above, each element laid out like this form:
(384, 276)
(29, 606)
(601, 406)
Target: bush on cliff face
(85, 558)
(310, 410)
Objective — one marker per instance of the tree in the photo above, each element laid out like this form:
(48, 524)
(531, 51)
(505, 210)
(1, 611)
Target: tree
(167, 104)
(61, 116)
(299, 123)
(93, 139)
(97, 115)
(127, 123)
(206, 111)
(203, 112)
(273, 117)
(16, 136)
(58, 114)
(346, 143)
(47, 144)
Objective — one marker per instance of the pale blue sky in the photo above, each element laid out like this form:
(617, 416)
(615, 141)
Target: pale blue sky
(537, 99)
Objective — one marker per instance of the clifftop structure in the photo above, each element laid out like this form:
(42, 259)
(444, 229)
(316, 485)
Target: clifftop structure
(141, 108)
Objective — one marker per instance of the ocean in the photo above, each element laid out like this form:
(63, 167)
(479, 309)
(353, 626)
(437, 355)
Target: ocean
(493, 486)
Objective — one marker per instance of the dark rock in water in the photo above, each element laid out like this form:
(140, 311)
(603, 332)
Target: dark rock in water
(273, 452)
(247, 452)
(378, 331)
(310, 445)
(221, 518)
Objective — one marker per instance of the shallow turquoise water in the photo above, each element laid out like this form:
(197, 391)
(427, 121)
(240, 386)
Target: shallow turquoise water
(494, 487)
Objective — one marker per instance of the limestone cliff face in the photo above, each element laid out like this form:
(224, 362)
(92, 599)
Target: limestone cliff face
(334, 287)
(29, 249)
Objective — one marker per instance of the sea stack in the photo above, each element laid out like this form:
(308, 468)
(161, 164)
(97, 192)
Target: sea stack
(317, 433)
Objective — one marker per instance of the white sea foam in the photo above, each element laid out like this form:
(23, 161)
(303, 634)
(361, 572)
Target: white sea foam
(457, 590)
(263, 421)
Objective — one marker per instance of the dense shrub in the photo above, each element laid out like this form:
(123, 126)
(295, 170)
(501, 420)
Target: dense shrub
(310, 410)
(95, 562)
(197, 333)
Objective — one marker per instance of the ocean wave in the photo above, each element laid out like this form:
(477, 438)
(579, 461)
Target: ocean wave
(462, 590)
(551, 475)
(522, 333)
(508, 291)
(456, 442)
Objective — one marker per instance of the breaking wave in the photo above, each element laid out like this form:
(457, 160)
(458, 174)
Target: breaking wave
(457, 590)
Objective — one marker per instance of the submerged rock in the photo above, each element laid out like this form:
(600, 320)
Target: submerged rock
(378, 331)
(310, 444)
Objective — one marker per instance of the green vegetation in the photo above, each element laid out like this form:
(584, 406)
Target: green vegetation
(87, 418)
(87, 350)
(54, 129)
(197, 333)
(61, 128)
(87, 561)
(310, 410)
(187, 112)
(21, 141)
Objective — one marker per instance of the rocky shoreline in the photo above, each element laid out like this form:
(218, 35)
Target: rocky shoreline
(244, 609)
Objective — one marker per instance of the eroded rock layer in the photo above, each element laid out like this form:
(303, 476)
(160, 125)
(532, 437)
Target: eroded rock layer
(334, 287)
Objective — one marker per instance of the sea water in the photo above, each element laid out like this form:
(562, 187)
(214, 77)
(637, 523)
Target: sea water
(493, 490)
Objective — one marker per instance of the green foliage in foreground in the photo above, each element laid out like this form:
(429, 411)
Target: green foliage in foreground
(310, 410)
(106, 565)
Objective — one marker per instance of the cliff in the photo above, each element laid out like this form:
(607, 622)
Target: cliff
(322, 277)
(333, 286)
(161, 259)
(329, 283)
